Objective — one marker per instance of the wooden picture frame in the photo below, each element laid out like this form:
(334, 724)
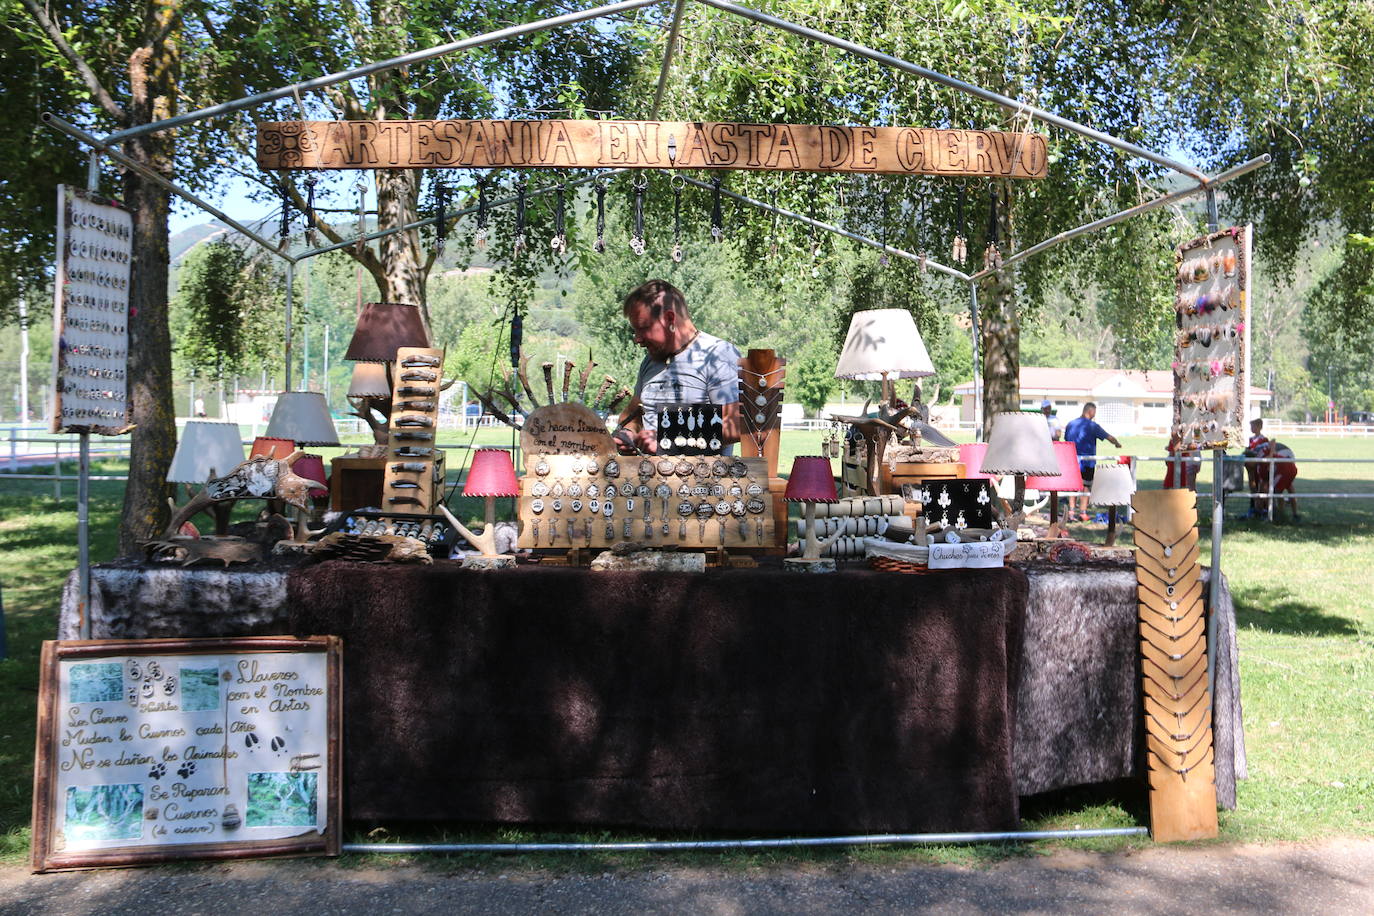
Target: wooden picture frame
(136, 729)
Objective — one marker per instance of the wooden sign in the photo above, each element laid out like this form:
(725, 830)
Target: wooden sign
(158, 749)
(564, 429)
(649, 145)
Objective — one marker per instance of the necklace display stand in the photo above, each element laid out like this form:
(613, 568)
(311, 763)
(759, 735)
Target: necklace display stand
(761, 384)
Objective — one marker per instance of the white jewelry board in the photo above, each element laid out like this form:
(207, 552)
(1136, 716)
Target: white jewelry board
(158, 749)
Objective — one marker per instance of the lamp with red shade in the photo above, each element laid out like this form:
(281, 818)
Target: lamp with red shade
(492, 474)
(811, 482)
(1068, 480)
(971, 456)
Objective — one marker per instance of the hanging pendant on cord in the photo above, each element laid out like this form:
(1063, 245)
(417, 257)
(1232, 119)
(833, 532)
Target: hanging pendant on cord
(717, 218)
(599, 187)
(637, 245)
(678, 182)
(518, 246)
(479, 237)
(440, 218)
(310, 237)
(559, 242)
(959, 250)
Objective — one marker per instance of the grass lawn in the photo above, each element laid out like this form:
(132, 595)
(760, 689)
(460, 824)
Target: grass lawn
(1306, 638)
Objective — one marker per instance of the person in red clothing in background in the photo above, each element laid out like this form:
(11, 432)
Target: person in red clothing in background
(1252, 450)
(1181, 474)
(1284, 471)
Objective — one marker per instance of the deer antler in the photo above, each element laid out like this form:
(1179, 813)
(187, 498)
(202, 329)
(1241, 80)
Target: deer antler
(586, 374)
(525, 380)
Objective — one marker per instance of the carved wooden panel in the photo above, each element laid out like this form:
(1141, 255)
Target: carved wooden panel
(1173, 647)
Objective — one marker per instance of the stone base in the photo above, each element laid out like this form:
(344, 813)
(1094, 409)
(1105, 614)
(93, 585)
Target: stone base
(657, 560)
(800, 564)
(496, 562)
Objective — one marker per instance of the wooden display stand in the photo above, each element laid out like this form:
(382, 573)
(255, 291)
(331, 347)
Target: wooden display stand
(1173, 646)
(355, 483)
(403, 471)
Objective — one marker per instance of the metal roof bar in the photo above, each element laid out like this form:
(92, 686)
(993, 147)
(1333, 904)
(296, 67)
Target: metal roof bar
(430, 221)
(319, 82)
(975, 91)
(828, 227)
(679, 6)
(103, 146)
(1126, 214)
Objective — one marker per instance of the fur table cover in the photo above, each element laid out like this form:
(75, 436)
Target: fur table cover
(151, 601)
(732, 700)
(1079, 707)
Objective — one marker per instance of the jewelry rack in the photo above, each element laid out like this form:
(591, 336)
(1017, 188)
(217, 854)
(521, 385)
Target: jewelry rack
(761, 377)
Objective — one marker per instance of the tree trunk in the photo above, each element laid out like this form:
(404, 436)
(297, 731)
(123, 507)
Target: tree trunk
(1000, 327)
(153, 71)
(398, 191)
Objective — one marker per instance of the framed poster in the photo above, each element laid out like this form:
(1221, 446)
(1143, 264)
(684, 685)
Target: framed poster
(1212, 350)
(151, 750)
(90, 314)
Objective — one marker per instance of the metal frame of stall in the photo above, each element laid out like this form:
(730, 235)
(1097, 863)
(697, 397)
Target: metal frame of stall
(1201, 184)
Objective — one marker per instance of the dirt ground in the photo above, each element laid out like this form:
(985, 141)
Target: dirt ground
(1332, 877)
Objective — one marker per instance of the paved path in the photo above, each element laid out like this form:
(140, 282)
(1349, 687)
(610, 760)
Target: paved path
(1331, 878)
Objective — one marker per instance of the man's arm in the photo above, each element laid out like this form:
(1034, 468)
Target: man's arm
(732, 430)
(1103, 434)
(630, 435)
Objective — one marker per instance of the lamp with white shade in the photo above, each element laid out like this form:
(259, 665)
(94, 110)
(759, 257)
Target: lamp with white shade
(1113, 486)
(1019, 444)
(207, 449)
(303, 417)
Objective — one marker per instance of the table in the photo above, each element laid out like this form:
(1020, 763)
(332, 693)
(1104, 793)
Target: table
(1077, 702)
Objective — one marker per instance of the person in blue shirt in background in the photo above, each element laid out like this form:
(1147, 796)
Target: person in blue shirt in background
(1084, 433)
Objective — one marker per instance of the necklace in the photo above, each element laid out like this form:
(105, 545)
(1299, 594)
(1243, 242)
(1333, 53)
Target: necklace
(1168, 549)
(763, 377)
(759, 429)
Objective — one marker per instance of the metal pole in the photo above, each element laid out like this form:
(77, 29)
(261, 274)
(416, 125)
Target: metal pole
(679, 6)
(324, 382)
(1129, 212)
(290, 279)
(77, 133)
(23, 361)
(83, 533)
(881, 839)
(977, 364)
(1012, 105)
(320, 82)
(1212, 218)
(1214, 584)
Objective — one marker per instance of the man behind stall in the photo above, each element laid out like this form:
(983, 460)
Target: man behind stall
(682, 365)
(1084, 433)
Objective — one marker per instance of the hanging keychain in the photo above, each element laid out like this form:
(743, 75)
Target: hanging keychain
(559, 242)
(479, 237)
(678, 183)
(641, 185)
(599, 187)
(518, 245)
(361, 187)
(992, 256)
(717, 218)
(959, 250)
(310, 237)
(440, 218)
(284, 229)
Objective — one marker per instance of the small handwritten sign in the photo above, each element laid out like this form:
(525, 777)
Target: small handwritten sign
(159, 749)
(565, 429)
(965, 555)
(565, 143)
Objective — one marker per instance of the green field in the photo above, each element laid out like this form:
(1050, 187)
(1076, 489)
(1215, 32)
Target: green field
(1306, 636)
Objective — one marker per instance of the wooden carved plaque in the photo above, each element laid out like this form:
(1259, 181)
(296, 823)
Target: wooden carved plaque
(649, 145)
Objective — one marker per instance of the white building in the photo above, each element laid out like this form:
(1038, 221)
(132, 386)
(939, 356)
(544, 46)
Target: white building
(1128, 401)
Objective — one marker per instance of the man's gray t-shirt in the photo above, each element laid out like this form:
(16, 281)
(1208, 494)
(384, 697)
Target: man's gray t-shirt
(707, 370)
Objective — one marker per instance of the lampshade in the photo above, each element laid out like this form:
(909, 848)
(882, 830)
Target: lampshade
(883, 341)
(1068, 480)
(811, 481)
(208, 448)
(491, 474)
(303, 417)
(385, 327)
(1020, 444)
(369, 381)
(1112, 485)
(311, 467)
(971, 454)
(263, 447)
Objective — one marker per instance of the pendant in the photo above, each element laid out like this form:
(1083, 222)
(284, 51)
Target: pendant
(593, 466)
(559, 243)
(760, 418)
(665, 443)
(518, 245)
(677, 253)
(479, 238)
(542, 467)
(680, 420)
(760, 400)
(680, 441)
(599, 246)
(626, 528)
(594, 505)
(535, 529)
(637, 245)
(715, 420)
(691, 421)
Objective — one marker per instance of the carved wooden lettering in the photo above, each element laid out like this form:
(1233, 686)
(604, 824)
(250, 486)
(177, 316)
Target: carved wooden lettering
(648, 145)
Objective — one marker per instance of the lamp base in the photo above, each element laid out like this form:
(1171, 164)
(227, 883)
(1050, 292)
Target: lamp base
(807, 565)
(504, 561)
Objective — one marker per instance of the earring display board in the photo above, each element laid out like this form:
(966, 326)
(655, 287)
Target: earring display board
(689, 429)
(413, 479)
(1212, 354)
(90, 314)
(152, 750)
(956, 503)
(1173, 668)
